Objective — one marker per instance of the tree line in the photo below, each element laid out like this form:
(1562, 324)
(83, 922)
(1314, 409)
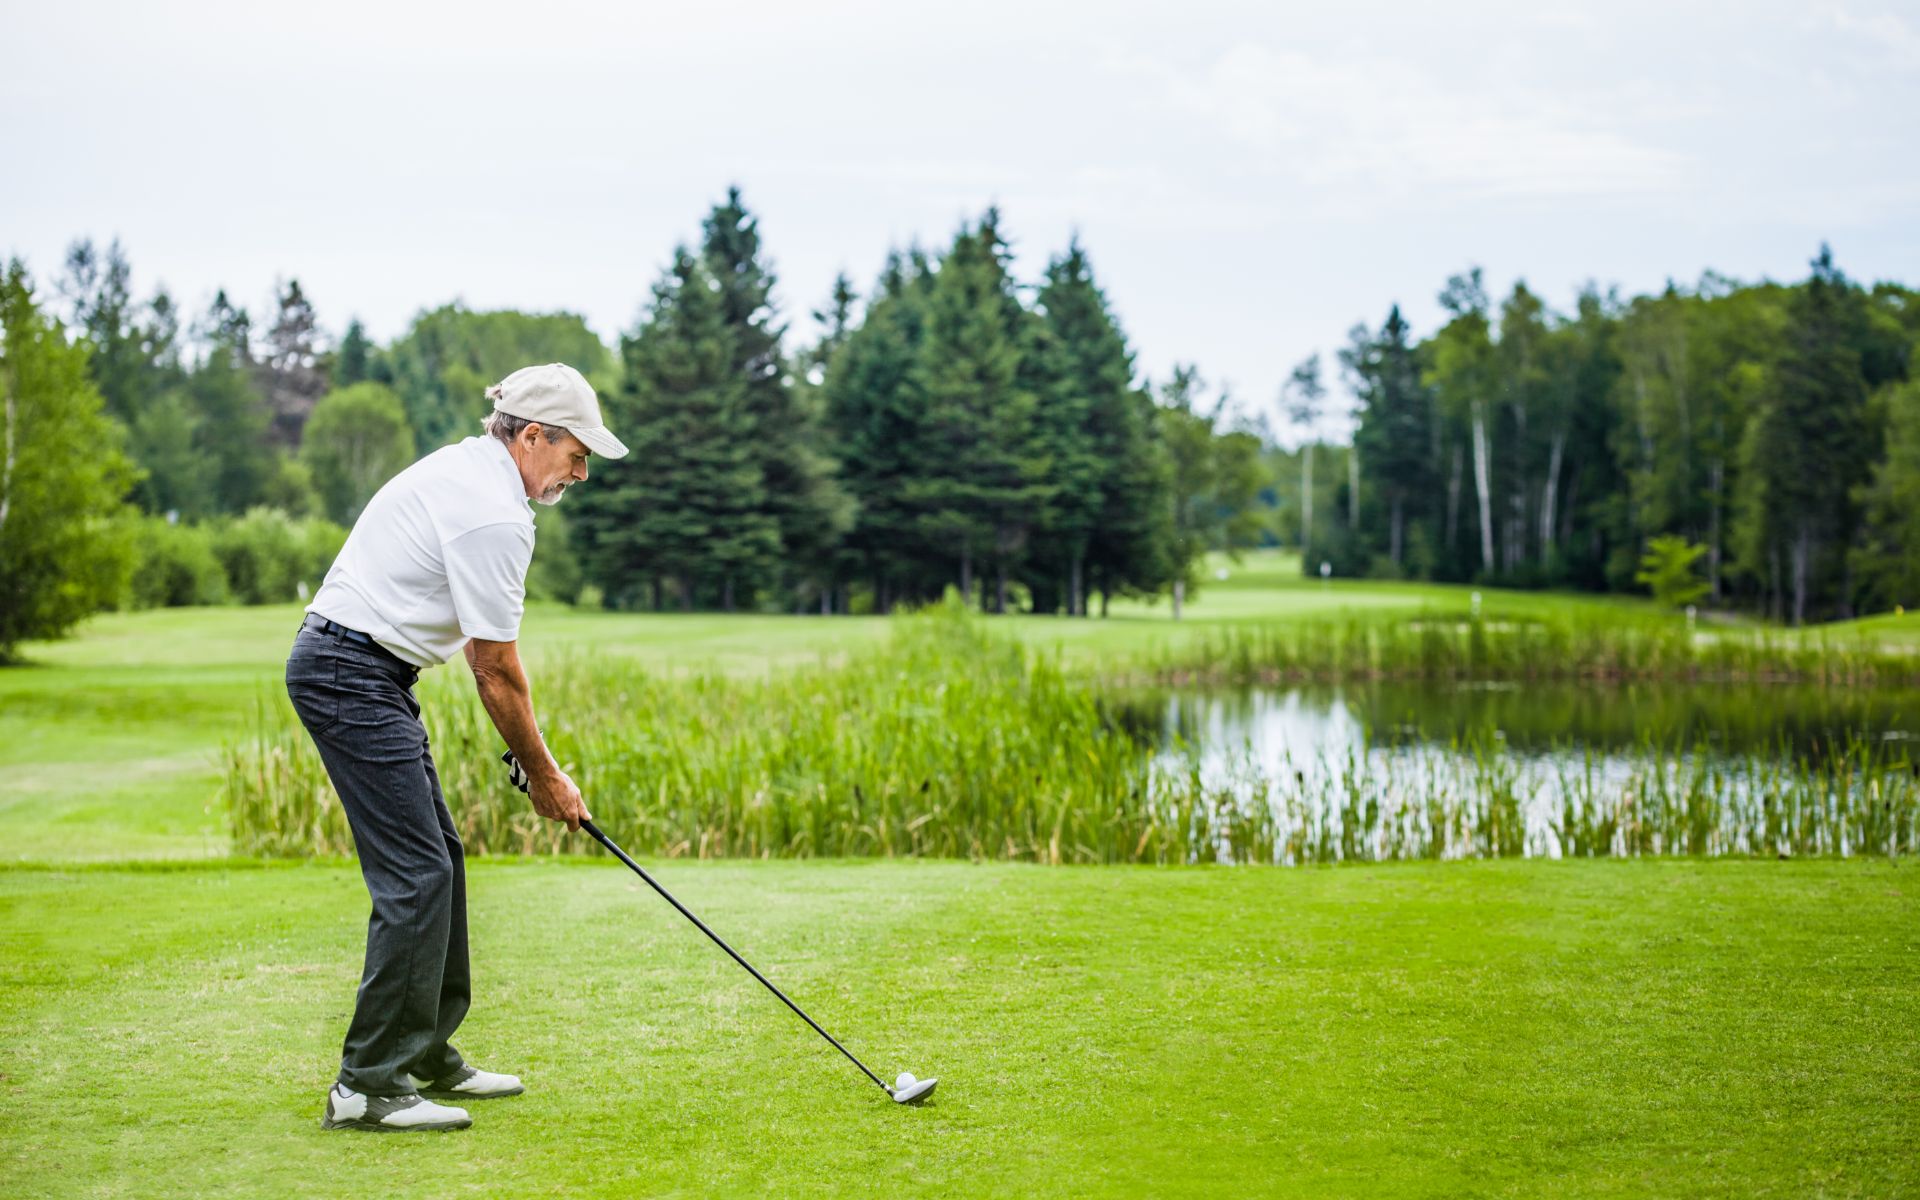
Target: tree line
(954, 427)
(1772, 431)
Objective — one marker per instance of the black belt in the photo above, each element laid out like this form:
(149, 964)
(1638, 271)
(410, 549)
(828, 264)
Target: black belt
(320, 624)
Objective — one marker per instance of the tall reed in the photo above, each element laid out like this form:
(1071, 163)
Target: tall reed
(1610, 647)
(953, 742)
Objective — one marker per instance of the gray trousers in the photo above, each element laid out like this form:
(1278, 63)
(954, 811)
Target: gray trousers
(357, 704)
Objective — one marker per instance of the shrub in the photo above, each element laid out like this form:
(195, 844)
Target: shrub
(176, 566)
(271, 558)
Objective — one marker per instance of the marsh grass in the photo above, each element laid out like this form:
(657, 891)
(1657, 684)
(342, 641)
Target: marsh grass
(949, 743)
(1612, 647)
(953, 742)
(1474, 798)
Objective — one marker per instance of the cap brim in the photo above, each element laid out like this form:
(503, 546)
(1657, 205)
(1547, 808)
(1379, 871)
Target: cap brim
(598, 440)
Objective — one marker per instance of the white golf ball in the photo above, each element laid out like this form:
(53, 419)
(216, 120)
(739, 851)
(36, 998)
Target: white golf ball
(905, 1081)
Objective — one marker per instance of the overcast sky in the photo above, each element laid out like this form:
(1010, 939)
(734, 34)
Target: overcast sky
(1250, 179)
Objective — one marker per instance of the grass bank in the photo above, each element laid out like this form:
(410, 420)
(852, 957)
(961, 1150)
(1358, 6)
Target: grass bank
(1586, 1029)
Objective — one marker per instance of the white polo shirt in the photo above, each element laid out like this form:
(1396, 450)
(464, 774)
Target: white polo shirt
(439, 556)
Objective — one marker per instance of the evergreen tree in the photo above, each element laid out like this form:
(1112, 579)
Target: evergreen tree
(1808, 448)
(836, 321)
(983, 474)
(686, 512)
(805, 501)
(1131, 552)
(98, 290)
(290, 374)
(875, 418)
(1395, 436)
(1087, 384)
(353, 360)
(230, 418)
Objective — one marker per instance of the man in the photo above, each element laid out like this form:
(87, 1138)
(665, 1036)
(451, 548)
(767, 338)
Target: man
(437, 563)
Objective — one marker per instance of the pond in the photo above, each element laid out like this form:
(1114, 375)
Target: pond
(1400, 770)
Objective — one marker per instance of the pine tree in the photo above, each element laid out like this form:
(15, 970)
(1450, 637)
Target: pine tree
(1395, 436)
(983, 474)
(1088, 375)
(875, 419)
(1809, 447)
(353, 360)
(290, 375)
(686, 512)
(805, 501)
(230, 418)
(98, 290)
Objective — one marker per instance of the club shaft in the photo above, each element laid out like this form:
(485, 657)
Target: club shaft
(686, 912)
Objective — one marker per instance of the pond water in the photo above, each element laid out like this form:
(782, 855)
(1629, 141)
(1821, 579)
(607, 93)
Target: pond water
(1399, 770)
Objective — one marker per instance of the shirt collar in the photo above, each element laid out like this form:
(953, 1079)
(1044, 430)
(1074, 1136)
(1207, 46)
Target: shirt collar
(497, 452)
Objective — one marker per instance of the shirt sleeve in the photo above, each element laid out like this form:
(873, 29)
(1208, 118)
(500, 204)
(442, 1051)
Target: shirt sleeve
(487, 577)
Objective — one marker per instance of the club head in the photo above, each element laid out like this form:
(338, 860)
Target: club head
(914, 1092)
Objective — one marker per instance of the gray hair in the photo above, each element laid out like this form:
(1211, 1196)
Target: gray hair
(507, 427)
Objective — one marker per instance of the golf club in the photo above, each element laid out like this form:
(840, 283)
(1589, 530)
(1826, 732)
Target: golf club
(906, 1089)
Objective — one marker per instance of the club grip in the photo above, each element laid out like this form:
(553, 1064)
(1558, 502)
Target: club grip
(515, 774)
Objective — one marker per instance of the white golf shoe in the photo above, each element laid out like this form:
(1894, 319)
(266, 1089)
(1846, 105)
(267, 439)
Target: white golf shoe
(411, 1113)
(470, 1083)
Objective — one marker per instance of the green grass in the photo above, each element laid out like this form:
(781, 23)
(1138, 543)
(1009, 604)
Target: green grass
(952, 741)
(1732, 1028)
(110, 741)
(1649, 1028)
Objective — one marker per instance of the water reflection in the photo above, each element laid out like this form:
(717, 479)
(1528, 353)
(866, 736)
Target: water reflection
(1554, 719)
(1397, 771)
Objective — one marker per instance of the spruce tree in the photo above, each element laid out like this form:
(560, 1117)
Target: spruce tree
(353, 359)
(875, 418)
(1089, 376)
(983, 475)
(803, 498)
(685, 515)
(231, 418)
(1810, 446)
(1395, 434)
(290, 375)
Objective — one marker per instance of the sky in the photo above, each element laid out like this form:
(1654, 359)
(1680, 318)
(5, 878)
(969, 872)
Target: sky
(1250, 180)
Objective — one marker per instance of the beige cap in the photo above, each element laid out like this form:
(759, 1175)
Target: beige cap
(556, 394)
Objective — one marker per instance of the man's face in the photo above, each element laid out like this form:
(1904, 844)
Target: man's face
(548, 468)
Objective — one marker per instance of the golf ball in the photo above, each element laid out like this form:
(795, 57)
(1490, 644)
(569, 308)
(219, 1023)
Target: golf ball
(906, 1080)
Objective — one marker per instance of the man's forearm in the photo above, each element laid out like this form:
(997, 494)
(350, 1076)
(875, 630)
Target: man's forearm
(508, 699)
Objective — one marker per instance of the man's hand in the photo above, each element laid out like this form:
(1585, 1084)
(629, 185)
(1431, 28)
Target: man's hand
(556, 799)
(502, 684)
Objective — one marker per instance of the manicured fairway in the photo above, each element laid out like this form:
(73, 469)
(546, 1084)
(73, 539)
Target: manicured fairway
(1513, 1028)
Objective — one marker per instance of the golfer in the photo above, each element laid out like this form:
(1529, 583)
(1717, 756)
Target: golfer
(436, 564)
